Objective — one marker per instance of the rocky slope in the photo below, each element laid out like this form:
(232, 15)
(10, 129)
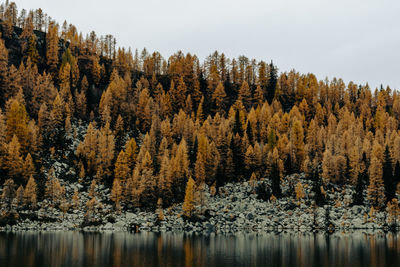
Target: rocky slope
(235, 208)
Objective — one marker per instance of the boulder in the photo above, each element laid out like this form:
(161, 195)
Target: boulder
(129, 216)
(250, 216)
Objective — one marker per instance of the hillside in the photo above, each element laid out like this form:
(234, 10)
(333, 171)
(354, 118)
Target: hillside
(88, 129)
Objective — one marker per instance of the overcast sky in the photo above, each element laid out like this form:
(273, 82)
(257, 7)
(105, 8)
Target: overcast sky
(357, 40)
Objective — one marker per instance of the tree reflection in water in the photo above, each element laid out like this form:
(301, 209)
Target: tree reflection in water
(180, 249)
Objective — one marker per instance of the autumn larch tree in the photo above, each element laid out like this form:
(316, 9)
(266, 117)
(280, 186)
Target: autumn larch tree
(122, 170)
(28, 167)
(13, 161)
(8, 194)
(106, 145)
(245, 95)
(57, 120)
(30, 193)
(200, 172)
(178, 94)
(75, 199)
(297, 145)
(219, 98)
(3, 69)
(188, 206)
(376, 189)
(164, 181)
(52, 48)
(19, 197)
(116, 194)
(180, 170)
(17, 123)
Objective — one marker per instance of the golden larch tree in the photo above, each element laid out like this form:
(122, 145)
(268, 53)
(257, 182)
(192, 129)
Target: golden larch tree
(122, 170)
(376, 189)
(30, 193)
(116, 194)
(188, 203)
(219, 98)
(52, 47)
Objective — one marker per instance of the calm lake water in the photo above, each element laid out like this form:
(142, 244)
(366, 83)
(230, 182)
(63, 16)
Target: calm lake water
(179, 249)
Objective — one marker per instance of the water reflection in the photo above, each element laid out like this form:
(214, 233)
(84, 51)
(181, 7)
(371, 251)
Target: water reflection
(179, 249)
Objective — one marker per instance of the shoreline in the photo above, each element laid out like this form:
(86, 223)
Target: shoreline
(235, 209)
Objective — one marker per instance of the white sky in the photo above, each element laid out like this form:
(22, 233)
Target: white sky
(357, 40)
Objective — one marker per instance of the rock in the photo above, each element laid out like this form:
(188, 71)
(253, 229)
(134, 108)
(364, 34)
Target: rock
(250, 216)
(108, 226)
(129, 216)
(119, 224)
(240, 220)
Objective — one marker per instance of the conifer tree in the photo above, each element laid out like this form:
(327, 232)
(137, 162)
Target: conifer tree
(17, 123)
(57, 120)
(92, 207)
(354, 164)
(122, 170)
(75, 199)
(116, 194)
(131, 152)
(32, 52)
(14, 83)
(143, 111)
(30, 193)
(92, 189)
(3, 69)
(299, 191)
(13, 161)
(245, 95)
(200, 172)
(87, 149)
(219, 98)
(64, 206)
(180, 170)
(160, 212)
(165, 182)
(52, 48)
(274, 174)
(28, 168)
(376, 190)
(81, 104)
(106, 147)
(43, 93)
(2, 135)
(8, 194)
(272, 82)
(297, 145)
(54, 192)
(96, 71)
(258, 96)
(388, 179)
(188, 206)
(178, 94)
(19, 196)
(199, 112)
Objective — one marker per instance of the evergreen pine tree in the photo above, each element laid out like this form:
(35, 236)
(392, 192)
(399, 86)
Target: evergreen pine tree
(388, 179)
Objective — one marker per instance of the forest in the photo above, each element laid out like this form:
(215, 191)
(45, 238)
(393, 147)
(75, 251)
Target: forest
(159, 131)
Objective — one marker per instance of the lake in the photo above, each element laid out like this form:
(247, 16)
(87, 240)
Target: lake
(180, 249)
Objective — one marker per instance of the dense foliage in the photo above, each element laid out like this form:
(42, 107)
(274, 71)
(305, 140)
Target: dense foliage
(157, 128)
